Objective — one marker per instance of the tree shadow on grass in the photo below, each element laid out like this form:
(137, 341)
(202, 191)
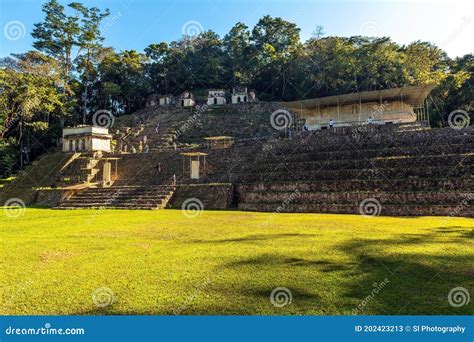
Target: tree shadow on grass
(279, 261)
(469, 234)
(454, 230)
(265, 293)
(324, 265)
(253, 238)
(464, 231)
(416, 280)
(417, 283)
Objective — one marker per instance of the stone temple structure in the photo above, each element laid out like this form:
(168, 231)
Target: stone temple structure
(166, 100)
(241, 95)
(86, 139)
(216, 97)
(393, 164)
(186, 99)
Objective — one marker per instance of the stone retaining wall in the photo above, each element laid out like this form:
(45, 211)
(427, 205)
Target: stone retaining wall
(212, 196)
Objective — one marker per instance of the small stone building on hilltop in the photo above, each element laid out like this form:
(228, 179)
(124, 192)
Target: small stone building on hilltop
(186, 99)
(241, 95)
(152, 101)
(167, 100)
(216, 97)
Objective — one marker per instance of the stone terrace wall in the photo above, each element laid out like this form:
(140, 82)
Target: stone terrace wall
(409, 173)
(212, 196)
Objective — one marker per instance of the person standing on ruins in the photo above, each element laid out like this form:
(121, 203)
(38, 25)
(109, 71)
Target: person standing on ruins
(305, 129)
(331, 123)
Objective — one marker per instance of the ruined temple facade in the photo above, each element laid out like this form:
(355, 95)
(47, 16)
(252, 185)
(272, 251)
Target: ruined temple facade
(186, 99)
(398, 105)
(166, 100)
(152, 101)
(86, 139)
(241, 95)
(216, 97)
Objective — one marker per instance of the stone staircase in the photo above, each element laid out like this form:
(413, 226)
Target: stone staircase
(224, 120)
(133, 128)
(120, 197)
(82, 168)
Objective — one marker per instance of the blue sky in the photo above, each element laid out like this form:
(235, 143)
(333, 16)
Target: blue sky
(134, 24)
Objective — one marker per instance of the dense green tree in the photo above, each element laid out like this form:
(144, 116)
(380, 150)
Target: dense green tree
(455, 92)
(425, 63)
(57, 36)
(30, 105)
(75, 42)
(123, 87)
(275, 43)
(29, 92)
(89, 44)
(238, 53)
(156, 68)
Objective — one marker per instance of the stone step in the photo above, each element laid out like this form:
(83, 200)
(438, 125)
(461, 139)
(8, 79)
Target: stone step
(387, 149)
(86, 196)
(112, 191)
(409, 198)
(99, 207)
(114, 200)
(335, 145)
(109, 191)
(365, 174)
(413, 129)
(139, 187)
(413, 185)
(389, 210)
(316, 153)
(276, 164)
(131, 188)
(120, 197)
(135, 205)
(93, 204)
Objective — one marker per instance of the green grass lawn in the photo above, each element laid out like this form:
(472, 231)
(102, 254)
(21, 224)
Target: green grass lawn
(227, 262)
